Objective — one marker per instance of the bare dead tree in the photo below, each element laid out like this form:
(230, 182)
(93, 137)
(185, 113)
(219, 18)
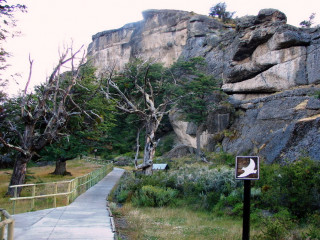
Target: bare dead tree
(44, 115)
(145, 99)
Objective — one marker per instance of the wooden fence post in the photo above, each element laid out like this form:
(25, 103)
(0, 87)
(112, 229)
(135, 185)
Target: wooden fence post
(3, 228)
(55, 197)
(73, 190)
(10, 230)
(33, 194)
(15, 193)
(68, 195)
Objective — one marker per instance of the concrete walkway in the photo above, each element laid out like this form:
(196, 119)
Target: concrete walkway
(85, 218)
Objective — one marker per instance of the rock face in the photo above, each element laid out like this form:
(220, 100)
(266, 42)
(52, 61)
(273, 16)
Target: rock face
(269, 69)
(284, 125)
(161, 36)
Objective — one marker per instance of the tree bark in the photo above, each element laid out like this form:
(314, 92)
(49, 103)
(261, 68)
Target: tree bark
(150, 146)
(61, 167)
(18, 174)
(198, 139)
(137, 150)
(20, 166)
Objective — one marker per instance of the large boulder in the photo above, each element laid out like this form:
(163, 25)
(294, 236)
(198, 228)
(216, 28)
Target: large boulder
(180, 151)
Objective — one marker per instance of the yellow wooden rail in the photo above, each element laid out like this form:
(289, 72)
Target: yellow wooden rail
(70, 189)
(6, 219)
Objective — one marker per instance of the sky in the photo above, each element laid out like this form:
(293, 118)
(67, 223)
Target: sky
(50, 25)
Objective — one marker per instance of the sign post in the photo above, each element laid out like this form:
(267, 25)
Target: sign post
(247, 169)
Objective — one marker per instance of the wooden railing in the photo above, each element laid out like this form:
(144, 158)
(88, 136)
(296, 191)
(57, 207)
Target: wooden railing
(57, 193)
(6, 219)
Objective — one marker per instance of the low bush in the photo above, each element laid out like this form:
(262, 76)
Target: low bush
(221, 158)
(278, 227)
(294, 186)
(313, 231)
(230, 204)
(151, 196)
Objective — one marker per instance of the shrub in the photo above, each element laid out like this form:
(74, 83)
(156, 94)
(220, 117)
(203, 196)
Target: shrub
(222, 158)
(238, 209)
(276, 227)
(314, 230)
(295, 186)
(128, 185)
(151, 196)
(231, 204)
(197, 179)
(122, 196)
(208, 200)
(219, 10)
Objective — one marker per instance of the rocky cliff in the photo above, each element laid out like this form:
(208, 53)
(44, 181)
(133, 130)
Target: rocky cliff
(269, 69)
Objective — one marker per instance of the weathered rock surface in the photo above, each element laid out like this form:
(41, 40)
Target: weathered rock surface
(161, 36)
(280, 126)
(180, 151)
(269, 69)
(187, 136)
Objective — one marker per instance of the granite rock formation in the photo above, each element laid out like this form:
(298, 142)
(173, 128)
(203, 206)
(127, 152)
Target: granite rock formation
(270, 70)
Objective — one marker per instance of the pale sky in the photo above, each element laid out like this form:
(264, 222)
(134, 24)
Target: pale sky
(50, 24)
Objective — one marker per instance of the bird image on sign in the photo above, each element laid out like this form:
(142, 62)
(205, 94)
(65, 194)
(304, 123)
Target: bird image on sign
(249, 169)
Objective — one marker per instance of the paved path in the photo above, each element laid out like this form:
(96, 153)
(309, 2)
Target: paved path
(85, 218)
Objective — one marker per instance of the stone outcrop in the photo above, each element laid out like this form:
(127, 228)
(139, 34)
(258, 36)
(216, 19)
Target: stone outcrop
(262, 55)
(269, 69)
(283, 125)
(161, 36)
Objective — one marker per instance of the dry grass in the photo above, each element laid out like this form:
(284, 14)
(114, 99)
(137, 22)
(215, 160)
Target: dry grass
(43, 175)
(177, 223)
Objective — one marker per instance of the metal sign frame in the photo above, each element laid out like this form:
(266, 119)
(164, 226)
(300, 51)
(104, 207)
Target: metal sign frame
(251, 164)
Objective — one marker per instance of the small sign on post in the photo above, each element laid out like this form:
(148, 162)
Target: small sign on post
(247, 169)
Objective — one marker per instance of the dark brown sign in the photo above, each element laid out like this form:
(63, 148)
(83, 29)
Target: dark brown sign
(247, 167)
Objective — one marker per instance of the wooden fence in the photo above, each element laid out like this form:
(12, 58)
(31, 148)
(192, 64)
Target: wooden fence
(53, 194)
(6, 220)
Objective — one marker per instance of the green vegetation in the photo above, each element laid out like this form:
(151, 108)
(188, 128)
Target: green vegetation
(83, 133)
(153, 196)
(294, 186)
(77, 113)
(198, 90)
(308, 23)
(220, 10)
(174, 223)
(8, 22)
(284, 201)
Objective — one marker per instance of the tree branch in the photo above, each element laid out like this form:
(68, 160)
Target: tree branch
(19, 149)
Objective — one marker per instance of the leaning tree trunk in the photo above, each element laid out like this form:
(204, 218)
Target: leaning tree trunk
(19, 174)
